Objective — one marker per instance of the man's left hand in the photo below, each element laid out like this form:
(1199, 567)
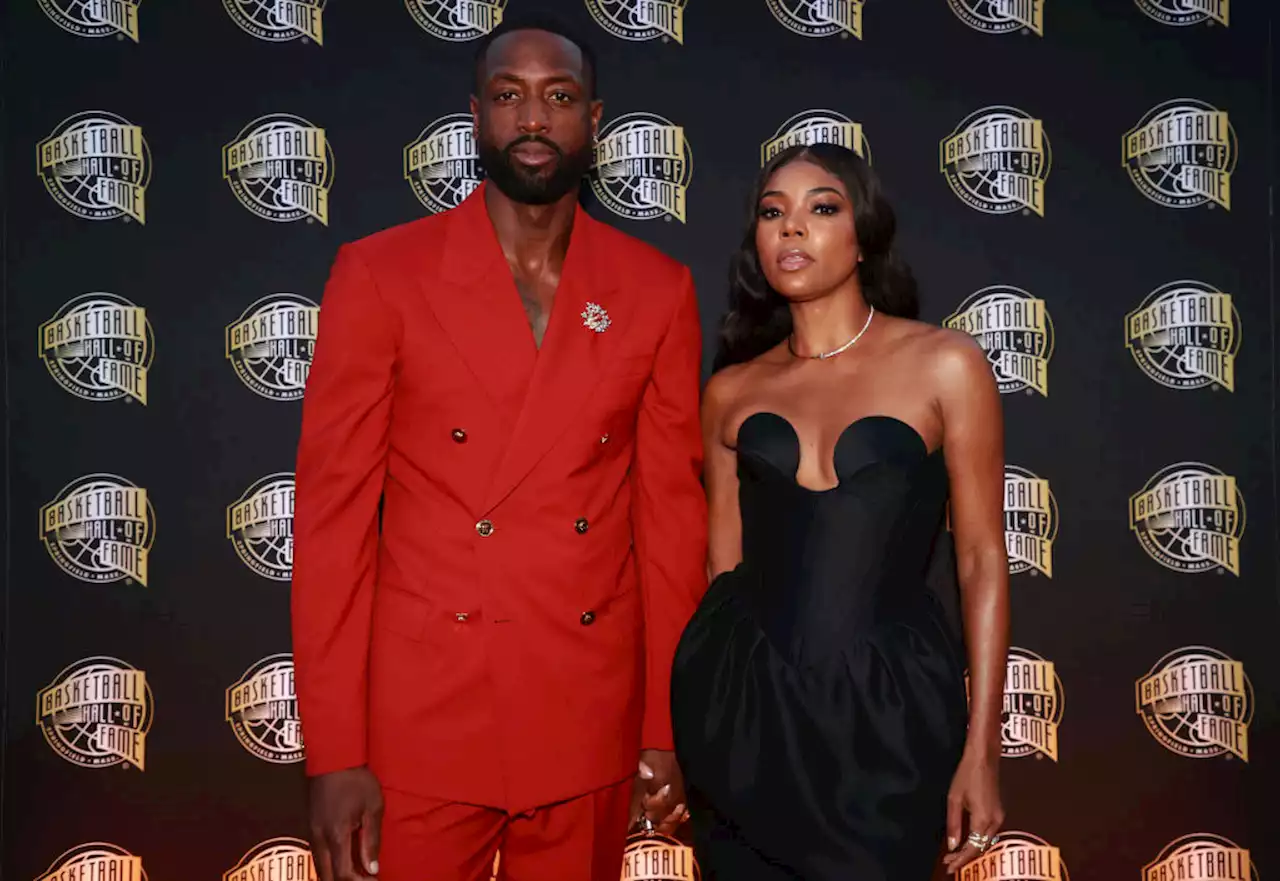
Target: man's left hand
(659, 791)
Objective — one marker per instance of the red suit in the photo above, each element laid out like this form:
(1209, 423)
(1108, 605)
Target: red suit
(504, 640)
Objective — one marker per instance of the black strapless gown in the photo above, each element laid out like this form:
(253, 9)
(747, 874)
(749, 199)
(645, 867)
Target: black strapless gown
(818, 692)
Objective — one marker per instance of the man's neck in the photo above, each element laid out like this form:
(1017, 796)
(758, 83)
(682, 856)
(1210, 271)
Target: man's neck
(531, 235)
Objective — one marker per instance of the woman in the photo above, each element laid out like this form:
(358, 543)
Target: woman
(819, 692)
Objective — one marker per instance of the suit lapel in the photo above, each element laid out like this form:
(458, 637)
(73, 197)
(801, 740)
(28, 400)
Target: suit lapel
(479, 306)
(571, 360)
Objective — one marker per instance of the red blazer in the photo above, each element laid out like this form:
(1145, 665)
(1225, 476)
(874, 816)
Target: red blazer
(506, 639)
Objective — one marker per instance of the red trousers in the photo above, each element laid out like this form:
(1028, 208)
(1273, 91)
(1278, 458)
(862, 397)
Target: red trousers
(578, 840)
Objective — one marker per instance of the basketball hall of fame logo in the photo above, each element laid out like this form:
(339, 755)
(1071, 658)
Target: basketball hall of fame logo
(1198, 703)
(997, 161)
(442, 164)
(1182, 153)
(819, 18)
(271, 345)
(97, 166)
(96, 859)
(1201, 856)
(262, 709)
(95, 18)
(260, 526)
(651, 856)
(1182, 13)
(1017, 856)
(1185, 335)
(283, 859)
(280, 168)
(279, 21)
(99, 347)
(1015, 330)
(1030, 522)
(97, 713)
(457, 20)
(100, 529)
(1001, 16)
(1032, 707)
(817, 127)
(640, 20)
(1190, 518)
(642, 169)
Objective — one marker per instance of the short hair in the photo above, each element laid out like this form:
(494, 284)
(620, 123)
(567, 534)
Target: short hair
(538, 22)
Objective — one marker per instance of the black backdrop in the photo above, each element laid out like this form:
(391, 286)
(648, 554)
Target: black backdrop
(155, 359)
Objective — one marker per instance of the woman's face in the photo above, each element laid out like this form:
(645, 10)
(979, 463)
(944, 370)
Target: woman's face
(804, 232)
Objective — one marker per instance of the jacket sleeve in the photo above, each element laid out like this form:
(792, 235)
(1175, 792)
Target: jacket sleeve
(341, 462)
(669, 512)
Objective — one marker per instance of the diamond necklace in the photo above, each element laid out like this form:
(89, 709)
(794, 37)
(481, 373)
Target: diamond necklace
(822, 356)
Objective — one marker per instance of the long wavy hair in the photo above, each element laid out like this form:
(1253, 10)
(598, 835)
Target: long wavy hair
(759, 317)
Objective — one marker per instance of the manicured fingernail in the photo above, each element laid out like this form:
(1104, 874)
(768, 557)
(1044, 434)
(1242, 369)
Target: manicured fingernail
(951, 844)
(373, 867)
(645, 771)
(664, 791)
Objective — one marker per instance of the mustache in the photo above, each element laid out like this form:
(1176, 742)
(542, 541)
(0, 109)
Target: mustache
(533, 139)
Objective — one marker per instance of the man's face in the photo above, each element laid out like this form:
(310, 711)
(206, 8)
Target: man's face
(534, 120)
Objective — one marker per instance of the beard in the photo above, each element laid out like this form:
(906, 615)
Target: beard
(534, 186)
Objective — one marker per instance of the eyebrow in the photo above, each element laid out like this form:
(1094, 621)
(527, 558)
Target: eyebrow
(508, 76)
(812, 192)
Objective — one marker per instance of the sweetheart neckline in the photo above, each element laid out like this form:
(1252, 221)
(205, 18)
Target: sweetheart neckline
(924, 445)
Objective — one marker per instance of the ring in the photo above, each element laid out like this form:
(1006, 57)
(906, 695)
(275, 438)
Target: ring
(980, 841)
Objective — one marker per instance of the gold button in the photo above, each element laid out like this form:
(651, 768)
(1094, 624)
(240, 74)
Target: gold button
(462, 616)
(459, 436)
(581, 525)
(604, 438)
(484, 527)
(587, 618)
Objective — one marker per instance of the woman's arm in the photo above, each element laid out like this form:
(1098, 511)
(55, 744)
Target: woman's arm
(720, 475)
(973, 432)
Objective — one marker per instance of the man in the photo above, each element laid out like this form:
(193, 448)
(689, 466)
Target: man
(517, 384)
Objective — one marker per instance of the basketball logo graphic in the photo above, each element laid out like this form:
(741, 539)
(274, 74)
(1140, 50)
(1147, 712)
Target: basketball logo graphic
(640, 20)
(819, 18)
(271, 345)
(97, 713)
(442, 165)
(99, 347)
(1016, 332)
(1202, 855)
(1198, 703)
(95, 18)
(279, 21)
(262, 709)
(1032, 712)
(1183, 13)
(284, 859)
(280, 168)
(97, 166)
(657, 857)
(1017, 856)
(1182, 153)
(1185, 335)
(814, 127)
(1030, 522)
(100, 529)
(1001, 16)
(456, 20)
(96, 860)
(260, 526)
(642, 169)
(997, 161)
(1190, 518)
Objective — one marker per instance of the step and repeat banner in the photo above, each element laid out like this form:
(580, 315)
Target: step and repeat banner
(1082, 186)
